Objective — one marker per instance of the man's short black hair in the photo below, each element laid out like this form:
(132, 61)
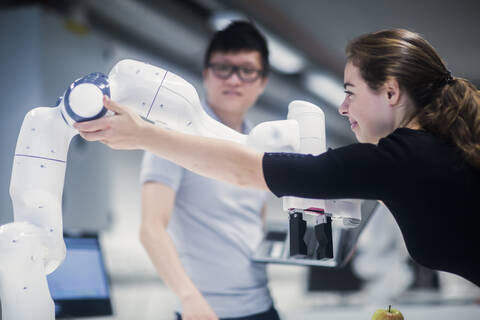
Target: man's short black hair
(239, 36)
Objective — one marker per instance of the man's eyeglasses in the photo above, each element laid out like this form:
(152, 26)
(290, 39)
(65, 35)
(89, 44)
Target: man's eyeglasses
(225, 71)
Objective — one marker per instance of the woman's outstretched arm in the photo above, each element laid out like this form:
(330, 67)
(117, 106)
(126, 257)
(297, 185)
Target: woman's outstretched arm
(214, 158)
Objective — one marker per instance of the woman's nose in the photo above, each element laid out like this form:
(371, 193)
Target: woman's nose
(343, 109)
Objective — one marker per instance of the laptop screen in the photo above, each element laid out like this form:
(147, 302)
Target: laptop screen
(80, 286)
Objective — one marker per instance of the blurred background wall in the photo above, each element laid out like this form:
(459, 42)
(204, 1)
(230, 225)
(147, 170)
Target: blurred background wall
(45, 45)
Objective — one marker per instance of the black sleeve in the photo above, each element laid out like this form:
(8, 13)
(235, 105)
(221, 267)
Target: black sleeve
(361, 171)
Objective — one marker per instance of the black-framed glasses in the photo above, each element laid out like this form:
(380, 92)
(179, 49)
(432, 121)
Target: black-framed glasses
(225, 71)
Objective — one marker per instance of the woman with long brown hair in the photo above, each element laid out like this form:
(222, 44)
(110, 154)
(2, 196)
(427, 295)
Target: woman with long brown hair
(419, 151)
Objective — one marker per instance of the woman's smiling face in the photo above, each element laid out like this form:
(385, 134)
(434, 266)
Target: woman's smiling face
(370, 115)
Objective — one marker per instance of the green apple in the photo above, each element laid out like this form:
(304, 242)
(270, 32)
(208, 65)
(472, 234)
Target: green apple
(390, 314)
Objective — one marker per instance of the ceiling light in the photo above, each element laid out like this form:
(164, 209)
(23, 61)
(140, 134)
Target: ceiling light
(221, 19)
(282, 57)
(326, 87)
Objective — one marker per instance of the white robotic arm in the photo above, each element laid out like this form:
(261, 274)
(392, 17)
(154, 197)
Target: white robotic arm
(170, 101)
(32, 246)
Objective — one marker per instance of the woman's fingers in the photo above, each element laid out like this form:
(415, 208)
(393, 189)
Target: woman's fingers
(93, 125)
(93, 136)
(113, 106)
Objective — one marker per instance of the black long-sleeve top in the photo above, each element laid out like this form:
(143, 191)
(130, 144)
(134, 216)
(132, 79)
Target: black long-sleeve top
(431, 191)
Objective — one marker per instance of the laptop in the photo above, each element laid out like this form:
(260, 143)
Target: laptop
(80, 286)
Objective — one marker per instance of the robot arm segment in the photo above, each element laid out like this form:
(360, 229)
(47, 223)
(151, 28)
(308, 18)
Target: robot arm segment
(165, 99)
(38, 175)
(33, 245)
(23, 285)
(169, 101)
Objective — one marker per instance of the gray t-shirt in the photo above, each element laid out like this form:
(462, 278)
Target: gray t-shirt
(215, 227)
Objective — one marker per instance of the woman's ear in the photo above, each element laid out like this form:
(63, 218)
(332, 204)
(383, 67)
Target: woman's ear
(392, 89)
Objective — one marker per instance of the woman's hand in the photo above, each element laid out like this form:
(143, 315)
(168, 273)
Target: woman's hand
(124, 130)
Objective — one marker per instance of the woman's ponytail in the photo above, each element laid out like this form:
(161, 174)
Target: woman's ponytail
(455, 116)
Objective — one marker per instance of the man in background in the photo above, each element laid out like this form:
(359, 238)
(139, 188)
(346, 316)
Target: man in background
(200, 233)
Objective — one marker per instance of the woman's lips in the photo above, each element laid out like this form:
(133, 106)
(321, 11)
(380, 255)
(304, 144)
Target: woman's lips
(353, 124)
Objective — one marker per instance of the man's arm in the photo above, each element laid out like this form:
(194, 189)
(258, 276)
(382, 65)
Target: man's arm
(157, 207)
